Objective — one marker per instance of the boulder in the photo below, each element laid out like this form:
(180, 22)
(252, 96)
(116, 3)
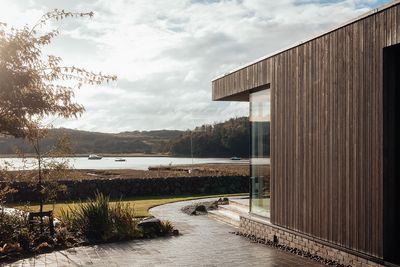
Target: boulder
(150, 226)
(223, 201)
(175, 232)
(198, 210)
(201, 208)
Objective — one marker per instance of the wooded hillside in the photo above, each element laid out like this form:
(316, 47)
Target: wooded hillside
(226, 139)
(84, 142)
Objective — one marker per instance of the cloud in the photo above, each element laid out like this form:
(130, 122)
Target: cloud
(166, 53)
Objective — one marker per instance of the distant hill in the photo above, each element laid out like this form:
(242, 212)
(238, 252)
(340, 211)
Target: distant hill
(226, 139)
(84, 142)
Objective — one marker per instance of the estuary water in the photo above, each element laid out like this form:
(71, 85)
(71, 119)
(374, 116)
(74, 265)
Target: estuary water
(137, 163)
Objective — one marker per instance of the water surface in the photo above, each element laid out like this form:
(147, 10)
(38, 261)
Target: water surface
(137, 163)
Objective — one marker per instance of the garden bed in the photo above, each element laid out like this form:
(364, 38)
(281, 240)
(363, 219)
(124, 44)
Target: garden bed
(92, 222)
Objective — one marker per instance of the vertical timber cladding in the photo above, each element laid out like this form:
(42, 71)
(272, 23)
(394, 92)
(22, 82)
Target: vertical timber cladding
(326, 130)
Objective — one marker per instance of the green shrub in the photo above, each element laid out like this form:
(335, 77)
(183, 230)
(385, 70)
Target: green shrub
(99, 220)
(11, 226)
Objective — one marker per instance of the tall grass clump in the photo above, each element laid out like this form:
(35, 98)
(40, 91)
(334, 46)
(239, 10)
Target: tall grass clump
(99, 220)
(166, 227)
(125, 225)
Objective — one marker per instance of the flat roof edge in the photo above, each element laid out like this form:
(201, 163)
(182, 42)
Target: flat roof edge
(363, 16)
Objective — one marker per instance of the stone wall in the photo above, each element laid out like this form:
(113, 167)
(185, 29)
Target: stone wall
(253, 226)
(116, 188)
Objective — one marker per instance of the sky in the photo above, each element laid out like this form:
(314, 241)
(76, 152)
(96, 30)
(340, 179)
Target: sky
(166, 53)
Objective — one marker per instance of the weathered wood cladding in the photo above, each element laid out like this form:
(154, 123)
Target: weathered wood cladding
(326, 131)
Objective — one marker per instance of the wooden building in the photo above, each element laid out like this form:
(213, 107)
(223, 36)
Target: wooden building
(326, 113)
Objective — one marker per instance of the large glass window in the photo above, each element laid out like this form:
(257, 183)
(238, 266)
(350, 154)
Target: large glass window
(260, 113)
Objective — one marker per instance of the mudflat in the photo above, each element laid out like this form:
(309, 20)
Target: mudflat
(173, 171)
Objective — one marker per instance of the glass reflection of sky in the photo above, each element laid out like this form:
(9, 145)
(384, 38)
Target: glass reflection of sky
(260, 106)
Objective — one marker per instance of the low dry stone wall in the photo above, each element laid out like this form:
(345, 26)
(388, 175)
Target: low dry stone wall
(116, 188)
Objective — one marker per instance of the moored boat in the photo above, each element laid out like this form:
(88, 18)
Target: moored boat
(93, 156)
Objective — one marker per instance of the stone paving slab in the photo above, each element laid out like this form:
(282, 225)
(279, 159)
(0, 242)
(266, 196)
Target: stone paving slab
(204, 242)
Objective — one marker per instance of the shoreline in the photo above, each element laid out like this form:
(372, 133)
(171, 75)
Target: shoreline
(105, 155)
(197, 170)
(127, 155)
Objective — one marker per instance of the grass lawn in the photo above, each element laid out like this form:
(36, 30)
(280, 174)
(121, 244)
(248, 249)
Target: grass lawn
(141, 204)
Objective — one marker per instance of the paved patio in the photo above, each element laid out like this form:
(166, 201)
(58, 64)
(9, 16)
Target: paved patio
(204, 242)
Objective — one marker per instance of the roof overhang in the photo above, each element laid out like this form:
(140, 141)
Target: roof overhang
(237, 84)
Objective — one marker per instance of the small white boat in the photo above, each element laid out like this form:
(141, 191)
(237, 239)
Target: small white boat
(120, 160)
(93, 156)
(236, 158)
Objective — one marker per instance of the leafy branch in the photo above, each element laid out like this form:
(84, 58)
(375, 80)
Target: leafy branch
(34, 86)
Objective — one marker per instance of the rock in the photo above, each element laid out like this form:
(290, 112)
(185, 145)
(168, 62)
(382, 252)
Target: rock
(213, 206)
(201, 208)
(223, 201)
(56, 222)
(175, 232)
(149, 220)
(197, 210)
(150, 226)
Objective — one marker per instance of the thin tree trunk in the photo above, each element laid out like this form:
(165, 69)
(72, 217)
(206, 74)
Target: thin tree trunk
(40, 185)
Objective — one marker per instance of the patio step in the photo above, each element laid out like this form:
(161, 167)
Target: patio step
(225, 216)
(230, 214)
(239, 209)
(240, 202)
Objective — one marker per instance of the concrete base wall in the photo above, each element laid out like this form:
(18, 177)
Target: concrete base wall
(259, 228)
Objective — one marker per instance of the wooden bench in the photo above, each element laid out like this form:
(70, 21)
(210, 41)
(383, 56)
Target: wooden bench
(49, 214)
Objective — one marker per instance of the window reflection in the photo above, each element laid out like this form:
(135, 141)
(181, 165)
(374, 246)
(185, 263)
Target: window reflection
(260, 111)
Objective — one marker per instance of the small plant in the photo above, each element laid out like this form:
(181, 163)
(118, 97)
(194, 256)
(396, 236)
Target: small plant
(166, 227)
